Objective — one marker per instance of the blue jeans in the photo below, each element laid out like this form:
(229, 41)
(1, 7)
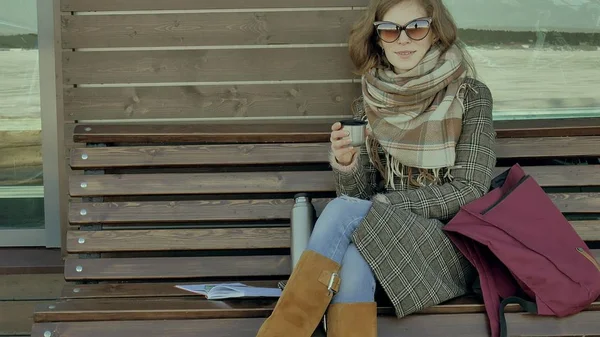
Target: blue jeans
(332, 238)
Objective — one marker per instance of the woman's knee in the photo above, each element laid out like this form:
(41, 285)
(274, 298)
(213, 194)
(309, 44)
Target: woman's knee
(357, 280)
(345, 206)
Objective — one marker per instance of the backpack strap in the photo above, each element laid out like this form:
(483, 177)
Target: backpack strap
(528, 306)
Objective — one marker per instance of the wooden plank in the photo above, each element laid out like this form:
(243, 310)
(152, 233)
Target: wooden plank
(246, 210)
(196, 307)
(30, 261)
(217, 238)
(177, 239)
(201, 183)
(209, 101)
(277, 182)
(180, 211)
(31, 287)
(133, 5)
(206, 155)
(177, 267)
(562, 175)
(162, 66)
(467, 325)
(228, 132)
(588, 230)
(207, 29)
(299, 153)
(16, 317)
(560, 127)
(137, 289)
(576, 202)
(548, 147)
(258, 131)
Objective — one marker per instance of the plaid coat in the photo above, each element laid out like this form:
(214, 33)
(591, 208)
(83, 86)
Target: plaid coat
(401, 237)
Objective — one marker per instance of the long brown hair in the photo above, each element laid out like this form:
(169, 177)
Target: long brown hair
(366, 53)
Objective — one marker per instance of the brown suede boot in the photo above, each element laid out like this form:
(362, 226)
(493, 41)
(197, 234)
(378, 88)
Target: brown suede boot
(304, 299)
(352, 320)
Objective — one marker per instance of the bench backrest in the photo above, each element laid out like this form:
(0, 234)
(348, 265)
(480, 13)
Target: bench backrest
(156, 190)
(189, 205)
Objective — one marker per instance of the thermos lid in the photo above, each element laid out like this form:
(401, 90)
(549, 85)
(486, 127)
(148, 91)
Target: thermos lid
(301, 195)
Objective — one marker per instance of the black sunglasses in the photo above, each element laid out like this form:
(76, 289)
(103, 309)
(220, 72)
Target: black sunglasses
(416, 29)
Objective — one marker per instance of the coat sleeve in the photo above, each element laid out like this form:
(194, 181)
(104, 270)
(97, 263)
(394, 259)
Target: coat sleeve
(473, 170)
(359, 179)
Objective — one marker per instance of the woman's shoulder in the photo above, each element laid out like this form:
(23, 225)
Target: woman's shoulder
(478, 101)
(477, 90)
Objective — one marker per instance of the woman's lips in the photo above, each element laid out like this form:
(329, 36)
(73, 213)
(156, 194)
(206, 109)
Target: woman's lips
(404, 54)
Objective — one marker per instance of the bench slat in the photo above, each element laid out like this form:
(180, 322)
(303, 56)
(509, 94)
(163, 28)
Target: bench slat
(276, 182)
(136, 289)
(200, 183)
(266, 154)
(198, 307)
(547, 147)
(203, 133)
(194, 155)
(283, 132)
(177, 267)
(245, 210)
(466, 325)
(180, 211)
(177, 239)
(215, 239)
(183, 267)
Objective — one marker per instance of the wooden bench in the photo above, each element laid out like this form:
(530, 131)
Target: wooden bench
(152, 206)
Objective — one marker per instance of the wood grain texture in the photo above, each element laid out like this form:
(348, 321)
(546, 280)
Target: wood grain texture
(246, 210)
(560, 127)
(177, 239)
(180, 211)
(276, 182)
(215, 239)
(201, 183)
(136, 156)
(162, 66)
(206, 155)
(547, 147)
(117, 5)
(576, 202)
(467, 325)
(210, 101)
(197, 308)
(226, 132)
(278, 131)
(177, 267)
(16, 317)
(31, 286)
(588, 230)
(207, 29)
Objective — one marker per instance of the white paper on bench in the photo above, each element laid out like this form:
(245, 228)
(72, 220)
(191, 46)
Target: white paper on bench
(219, 291)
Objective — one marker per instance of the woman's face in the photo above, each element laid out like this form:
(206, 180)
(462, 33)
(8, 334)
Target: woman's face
(405, 53)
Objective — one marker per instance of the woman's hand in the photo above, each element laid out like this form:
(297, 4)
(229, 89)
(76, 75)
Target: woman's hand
(340, 145)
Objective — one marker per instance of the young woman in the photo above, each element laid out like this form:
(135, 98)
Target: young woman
(429, 150)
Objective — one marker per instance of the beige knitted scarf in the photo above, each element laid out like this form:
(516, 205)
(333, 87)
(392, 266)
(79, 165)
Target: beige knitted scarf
(415, 116)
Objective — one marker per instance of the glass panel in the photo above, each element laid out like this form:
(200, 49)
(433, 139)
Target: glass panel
(21, 191)
(540, 58)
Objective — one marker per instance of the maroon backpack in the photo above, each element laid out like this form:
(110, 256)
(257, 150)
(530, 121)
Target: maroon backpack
(525, 251)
